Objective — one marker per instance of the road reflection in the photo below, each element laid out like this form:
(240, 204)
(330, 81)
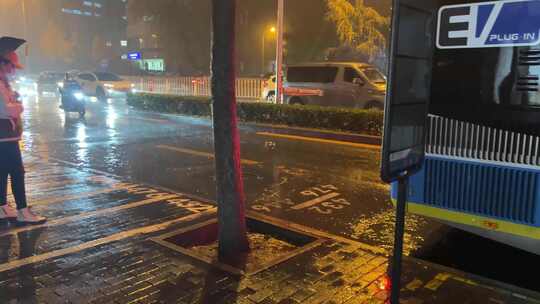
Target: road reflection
(23, 245)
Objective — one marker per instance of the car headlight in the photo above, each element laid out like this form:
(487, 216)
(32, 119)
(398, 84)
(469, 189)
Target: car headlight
(78, 95)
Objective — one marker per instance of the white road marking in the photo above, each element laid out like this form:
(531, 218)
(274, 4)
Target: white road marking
(321, 140)
(316, 201)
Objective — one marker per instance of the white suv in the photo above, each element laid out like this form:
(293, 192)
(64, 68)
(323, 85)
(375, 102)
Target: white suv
(103, 84)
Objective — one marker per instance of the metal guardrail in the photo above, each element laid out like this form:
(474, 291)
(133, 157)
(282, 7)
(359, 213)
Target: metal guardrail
(461, 139)
(246, 88)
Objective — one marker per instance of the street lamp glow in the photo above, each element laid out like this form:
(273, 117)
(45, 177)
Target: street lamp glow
(271, 30)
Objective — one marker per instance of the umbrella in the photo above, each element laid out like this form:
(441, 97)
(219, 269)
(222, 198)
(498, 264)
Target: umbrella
(10, 44)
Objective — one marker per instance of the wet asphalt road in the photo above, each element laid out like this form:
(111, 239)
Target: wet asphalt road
(286, 178)
(328, 187)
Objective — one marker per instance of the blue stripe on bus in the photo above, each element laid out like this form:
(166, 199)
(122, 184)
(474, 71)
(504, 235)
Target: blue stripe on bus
(494, 190)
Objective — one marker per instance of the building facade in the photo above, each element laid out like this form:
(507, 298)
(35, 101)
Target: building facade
(98, 31)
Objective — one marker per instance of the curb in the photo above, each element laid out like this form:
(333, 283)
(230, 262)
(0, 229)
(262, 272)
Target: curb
(318, 133)
(501, 287)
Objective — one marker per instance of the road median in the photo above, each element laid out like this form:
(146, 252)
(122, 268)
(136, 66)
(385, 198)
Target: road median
(336, 119)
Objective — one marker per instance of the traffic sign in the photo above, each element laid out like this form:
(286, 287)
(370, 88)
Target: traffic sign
(406, 109)
(409, 88)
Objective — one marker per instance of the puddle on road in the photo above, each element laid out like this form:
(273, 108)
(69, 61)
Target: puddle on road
(379, 228)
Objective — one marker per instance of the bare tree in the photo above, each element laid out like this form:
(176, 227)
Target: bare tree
(230, 189)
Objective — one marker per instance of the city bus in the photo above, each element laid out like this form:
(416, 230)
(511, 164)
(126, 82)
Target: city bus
(481, 173)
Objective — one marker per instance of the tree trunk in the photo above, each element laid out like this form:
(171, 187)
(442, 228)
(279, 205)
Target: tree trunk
(230, 188)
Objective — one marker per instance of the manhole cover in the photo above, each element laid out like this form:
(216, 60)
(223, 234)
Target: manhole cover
(271, 243)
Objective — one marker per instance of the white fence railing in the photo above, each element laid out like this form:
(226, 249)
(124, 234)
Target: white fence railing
(462, 139)
(246, 88)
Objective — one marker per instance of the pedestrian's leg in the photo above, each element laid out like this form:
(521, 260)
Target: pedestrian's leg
(3, 188)
(18, 188)
(6, 211)
(24, 214)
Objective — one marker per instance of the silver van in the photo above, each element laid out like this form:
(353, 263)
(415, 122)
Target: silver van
(337, 84)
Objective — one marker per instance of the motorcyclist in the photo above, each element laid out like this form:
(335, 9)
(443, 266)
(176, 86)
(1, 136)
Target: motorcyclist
(71, 92)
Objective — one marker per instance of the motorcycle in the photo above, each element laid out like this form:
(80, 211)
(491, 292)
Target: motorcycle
(73, 99)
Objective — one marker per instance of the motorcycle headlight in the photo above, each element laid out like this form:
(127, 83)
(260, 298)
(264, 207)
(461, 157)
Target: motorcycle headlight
(78, 95)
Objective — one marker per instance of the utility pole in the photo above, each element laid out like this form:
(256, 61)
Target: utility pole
(279, 52)
(230, 186)
(263, 47)
(263, 64)
(25, 32)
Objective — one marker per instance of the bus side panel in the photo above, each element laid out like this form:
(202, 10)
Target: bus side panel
(416, 188)
(537, 218)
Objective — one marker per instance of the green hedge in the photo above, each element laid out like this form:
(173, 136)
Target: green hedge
(342, 119)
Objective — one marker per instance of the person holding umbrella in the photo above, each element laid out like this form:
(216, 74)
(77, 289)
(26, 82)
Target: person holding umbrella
(11, 164)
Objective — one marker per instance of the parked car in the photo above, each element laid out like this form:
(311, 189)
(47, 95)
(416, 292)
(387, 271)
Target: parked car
(102, 84)
(339, 84)
(48, 82)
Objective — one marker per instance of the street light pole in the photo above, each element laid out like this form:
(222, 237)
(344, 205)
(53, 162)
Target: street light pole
(279, 52)
(263, 47)
(25, 30)
(262, 60)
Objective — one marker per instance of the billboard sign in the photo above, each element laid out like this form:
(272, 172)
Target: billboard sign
(134, 56)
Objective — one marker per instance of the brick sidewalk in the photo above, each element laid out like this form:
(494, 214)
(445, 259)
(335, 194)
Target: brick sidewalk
(97, 248)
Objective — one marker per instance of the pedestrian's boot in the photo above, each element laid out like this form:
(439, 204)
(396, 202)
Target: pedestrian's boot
(27, 217)
(7, 213)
